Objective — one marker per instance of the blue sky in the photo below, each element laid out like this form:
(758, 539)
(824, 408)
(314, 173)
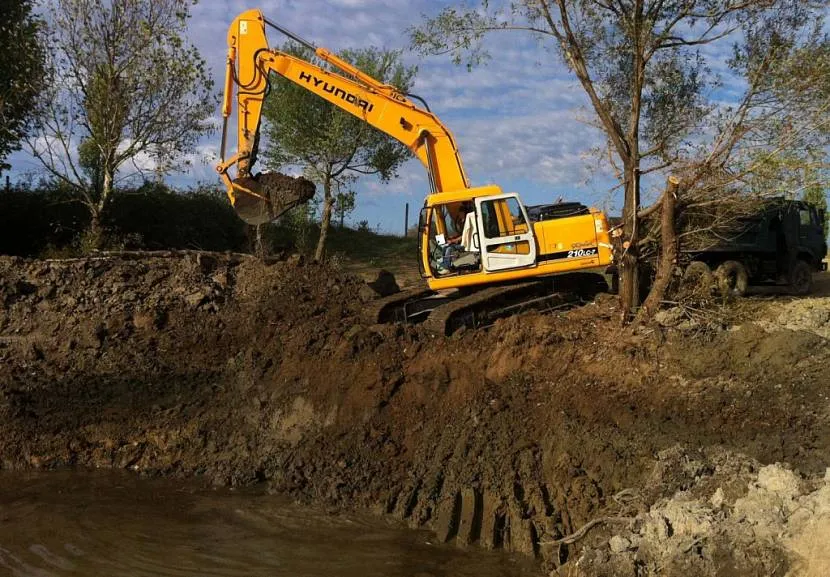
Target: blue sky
(521, 120)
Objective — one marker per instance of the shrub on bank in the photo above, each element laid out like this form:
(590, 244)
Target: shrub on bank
(155, 217)
(33, 220)
(47, 220)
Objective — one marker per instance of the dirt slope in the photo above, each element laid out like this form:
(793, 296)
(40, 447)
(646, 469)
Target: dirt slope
(512, 437)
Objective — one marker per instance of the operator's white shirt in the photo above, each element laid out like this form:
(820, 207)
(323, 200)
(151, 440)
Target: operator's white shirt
(468, 232)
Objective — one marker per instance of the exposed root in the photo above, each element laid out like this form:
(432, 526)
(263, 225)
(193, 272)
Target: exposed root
(577, 535)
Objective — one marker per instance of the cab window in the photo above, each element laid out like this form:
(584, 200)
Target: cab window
(448, 219)
(503, 217)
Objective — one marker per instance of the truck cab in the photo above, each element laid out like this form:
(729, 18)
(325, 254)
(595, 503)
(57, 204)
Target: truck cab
(812, 242)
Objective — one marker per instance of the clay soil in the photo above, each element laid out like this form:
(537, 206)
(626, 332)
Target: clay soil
(513, 437)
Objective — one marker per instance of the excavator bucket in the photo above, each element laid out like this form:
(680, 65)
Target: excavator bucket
(264, 197)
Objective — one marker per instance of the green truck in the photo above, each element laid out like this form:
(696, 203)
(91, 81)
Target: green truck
(782, 243)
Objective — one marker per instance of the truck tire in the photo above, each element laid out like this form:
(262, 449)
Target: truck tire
(801, 279)
(697, 279)
(732, 279)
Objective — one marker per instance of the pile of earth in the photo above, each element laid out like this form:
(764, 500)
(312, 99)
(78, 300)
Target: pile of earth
(513, 437)
(808, 314)
(736, 518)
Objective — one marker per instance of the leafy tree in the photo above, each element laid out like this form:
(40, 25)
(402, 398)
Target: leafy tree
(129, 95)
(89, 161)
(344, 203)
(793, 173)
(22, 63)
(793, 129)
(333, 147)
(769, 142)
(639, 62)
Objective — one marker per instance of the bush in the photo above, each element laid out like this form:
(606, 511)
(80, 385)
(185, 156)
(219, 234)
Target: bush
(155, 217)
(31, 222)
(48, 221)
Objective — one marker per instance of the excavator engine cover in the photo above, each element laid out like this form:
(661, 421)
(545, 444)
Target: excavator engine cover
(264, 197)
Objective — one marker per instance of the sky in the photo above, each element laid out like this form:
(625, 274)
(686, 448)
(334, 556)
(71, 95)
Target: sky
(521, 120)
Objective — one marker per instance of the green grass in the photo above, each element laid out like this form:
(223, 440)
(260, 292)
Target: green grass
(360, 251)
(373, 249)
(364, 252)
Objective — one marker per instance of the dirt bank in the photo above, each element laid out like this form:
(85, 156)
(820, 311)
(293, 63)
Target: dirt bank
(512, 437)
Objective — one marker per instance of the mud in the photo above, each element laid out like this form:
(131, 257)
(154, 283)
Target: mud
(282, 192)
(514, 437)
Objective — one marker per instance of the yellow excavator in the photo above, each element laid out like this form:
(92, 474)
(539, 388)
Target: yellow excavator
(482, 252)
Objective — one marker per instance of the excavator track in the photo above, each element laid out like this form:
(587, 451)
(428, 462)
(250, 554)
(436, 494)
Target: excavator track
(484, 306)
(392, 308)
(446, 312)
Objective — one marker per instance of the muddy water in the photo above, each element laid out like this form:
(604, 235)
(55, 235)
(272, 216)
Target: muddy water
(113, 524)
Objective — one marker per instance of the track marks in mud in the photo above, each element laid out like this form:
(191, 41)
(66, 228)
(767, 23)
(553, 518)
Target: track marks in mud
(471, 516)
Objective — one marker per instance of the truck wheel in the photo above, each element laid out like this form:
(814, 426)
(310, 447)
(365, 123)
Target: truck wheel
(732, 279)
(801, 278)
(697, 279)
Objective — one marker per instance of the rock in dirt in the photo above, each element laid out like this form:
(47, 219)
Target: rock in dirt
(774, 524)
(669, 317)
(383, 283)
(806, 314)
(619, 544)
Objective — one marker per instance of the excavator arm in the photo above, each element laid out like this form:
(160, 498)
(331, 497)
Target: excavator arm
(249, 63)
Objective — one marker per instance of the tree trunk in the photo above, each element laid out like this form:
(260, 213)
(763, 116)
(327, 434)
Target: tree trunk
(668, 252)
(325, 220)
(94, 237)
(259, 243)
(630, 260)
(96, 229)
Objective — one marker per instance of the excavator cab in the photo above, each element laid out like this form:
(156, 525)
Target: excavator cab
(475, 231)
(451, 237)
(508, 243)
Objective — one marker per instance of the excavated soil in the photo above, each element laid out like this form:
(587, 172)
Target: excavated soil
(512, 437)
(282, 192)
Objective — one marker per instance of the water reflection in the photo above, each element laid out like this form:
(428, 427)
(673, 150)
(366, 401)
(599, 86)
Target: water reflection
(116, 524)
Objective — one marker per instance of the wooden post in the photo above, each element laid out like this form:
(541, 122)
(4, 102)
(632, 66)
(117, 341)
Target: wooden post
(406, 221)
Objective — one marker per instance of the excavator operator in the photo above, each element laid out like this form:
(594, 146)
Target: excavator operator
(459, 251)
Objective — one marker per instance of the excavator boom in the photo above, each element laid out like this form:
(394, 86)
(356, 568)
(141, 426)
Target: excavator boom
(249, 63)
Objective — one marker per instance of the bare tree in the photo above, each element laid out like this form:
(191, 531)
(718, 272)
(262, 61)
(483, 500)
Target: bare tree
(128, 89)
(638, 61)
